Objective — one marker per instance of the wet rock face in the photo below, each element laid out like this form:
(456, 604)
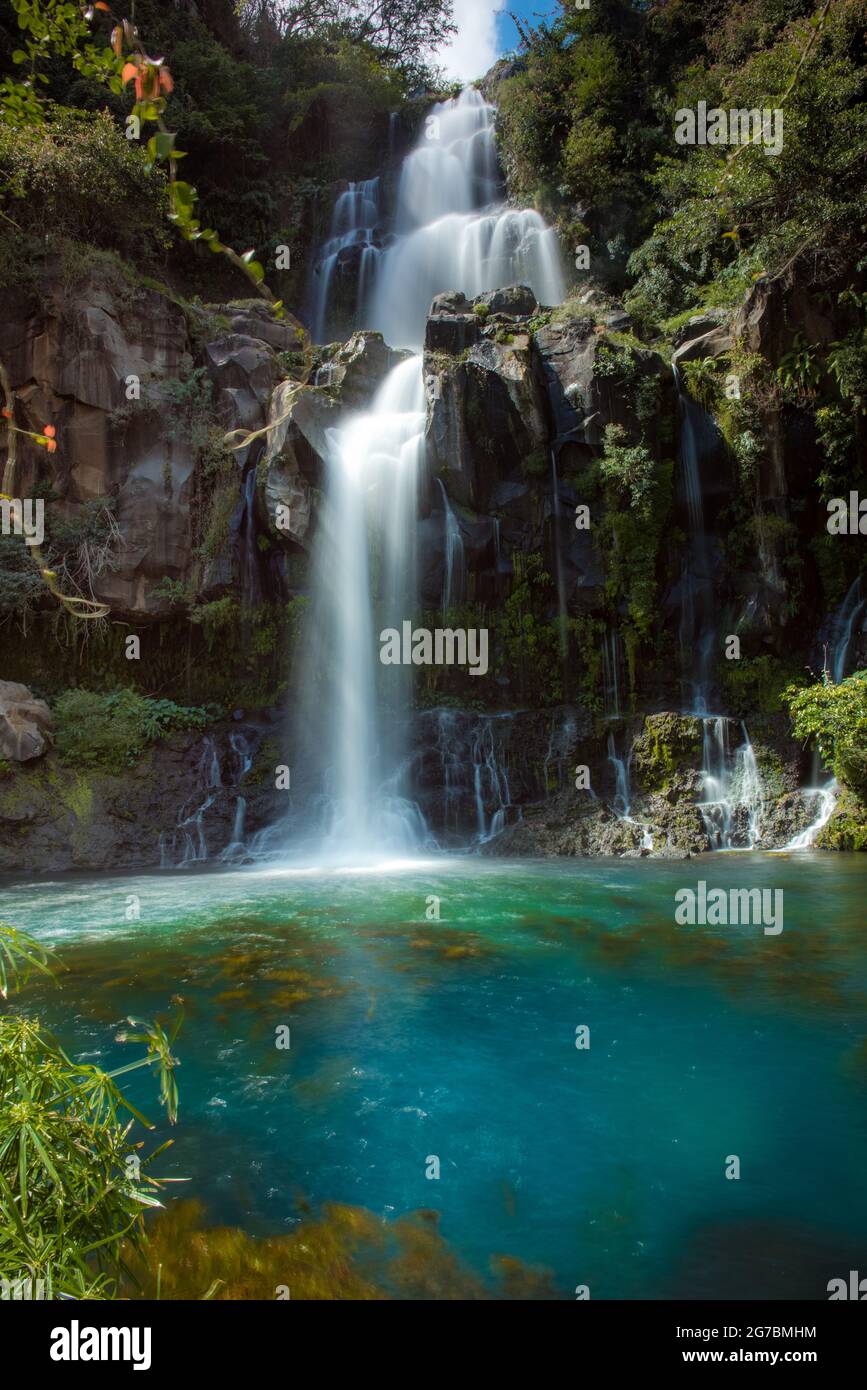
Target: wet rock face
(487, 417)
(358, 368)
(178, 803)
(25, 723)
(293, 464)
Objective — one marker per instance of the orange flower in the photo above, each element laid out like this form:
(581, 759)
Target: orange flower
(6, 413)
(51, 446)
(49, 430)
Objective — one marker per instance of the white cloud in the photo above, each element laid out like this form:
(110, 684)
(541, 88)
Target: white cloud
(473, 49)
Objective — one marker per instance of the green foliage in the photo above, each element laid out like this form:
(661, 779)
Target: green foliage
(628, 470)
(529, 646)
(798, 370)
(108, 731)
(60, 176)
(757, 685)
(73, 1185)
(835, 430)
(836, 717)
(702, 382)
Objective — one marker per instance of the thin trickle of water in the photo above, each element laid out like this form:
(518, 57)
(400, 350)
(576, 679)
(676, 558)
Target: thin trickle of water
(849, 619)
(188, 838)
(455, 573)
(490, 784)
(242, 760)
(697, 627)
(611, 666)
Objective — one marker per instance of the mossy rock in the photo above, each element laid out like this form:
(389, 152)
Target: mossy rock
(668, 748)
(847, 828)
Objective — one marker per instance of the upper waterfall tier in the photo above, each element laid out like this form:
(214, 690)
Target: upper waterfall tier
(451, 231)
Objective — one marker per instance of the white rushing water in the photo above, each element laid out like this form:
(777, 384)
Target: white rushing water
(454, 232)
(849, 619)
(450, 232)
(731, 804)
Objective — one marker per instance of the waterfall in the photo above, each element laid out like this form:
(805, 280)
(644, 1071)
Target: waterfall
(731, 802)
(449, 232)
(455, 579)
(351, 241)
(363, 580)
(850, 613)
(453, 230)
(697, 629)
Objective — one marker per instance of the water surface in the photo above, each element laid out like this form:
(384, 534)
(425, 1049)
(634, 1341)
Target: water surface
(413, 1038)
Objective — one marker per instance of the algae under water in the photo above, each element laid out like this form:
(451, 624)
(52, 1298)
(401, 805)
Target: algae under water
(413, 1038)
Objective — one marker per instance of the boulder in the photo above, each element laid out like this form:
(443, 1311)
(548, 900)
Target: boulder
(358, 368)
(25, 723)
(516, 301)
(293, 462)
(452, 333)
(715, 342)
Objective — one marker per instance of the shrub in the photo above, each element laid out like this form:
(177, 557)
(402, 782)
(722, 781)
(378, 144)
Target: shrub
(836, 717)
(108, 731)
(77, 176)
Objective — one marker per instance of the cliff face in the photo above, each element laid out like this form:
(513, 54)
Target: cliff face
(552, 464)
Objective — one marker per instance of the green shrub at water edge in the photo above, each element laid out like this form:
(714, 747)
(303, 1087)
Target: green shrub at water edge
(93, 730)
(836, 717)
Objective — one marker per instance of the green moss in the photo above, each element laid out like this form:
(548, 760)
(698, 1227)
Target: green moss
(668, 745)
(76, 792)
(755, 685)
(847, 828)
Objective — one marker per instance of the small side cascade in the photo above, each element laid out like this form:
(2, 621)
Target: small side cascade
(455, 581)
(490, 784)
(731, 804)
(467, 763)
(188, 837)
(353, 224)
(826, 800)
(561, 740)
(623, 792)
(242, 758)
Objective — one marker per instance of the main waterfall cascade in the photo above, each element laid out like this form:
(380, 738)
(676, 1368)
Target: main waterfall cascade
(451, 229)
